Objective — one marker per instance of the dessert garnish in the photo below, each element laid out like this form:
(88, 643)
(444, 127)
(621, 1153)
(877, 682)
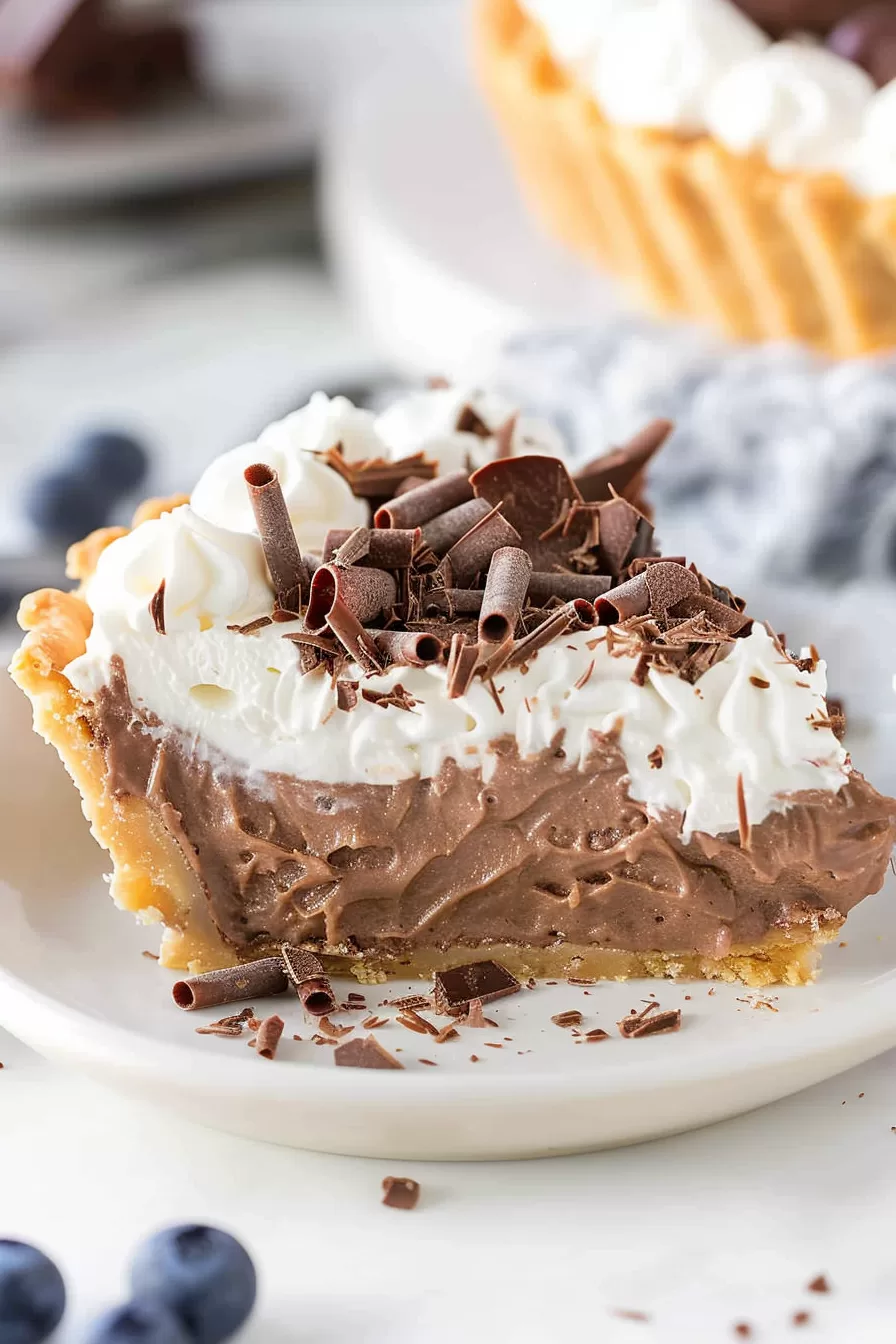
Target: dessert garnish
(400, 1192)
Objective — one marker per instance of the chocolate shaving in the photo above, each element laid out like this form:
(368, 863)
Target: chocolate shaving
(397, 698)
(470, 421)
(424, 502)
(743, 820)
(443, 531)
(354, 638)
(447, 1033)
(233, 984)
(364, 1052)
(534, 492)
(621, 535)
(505, 592)
(620, 470)
(333, 1030)
(576, 615)
(381, 548)
(157, 608)
(278, 539)
(462, 660)
(571, 1018)
(542, 587)
(656, 757)
(308, 978)
(409, 648)
(503, 437)
(346, 695)
(725, 618)
(374, 1023)
(268, 1038)
(411, 1019)
(819, 1285)
(470, 557)
(454, 990)
(400, 1192)
(376, 478)
(595, 1035)
(650, 1022)
(259, 623)
(228, 1026)
(409, 1001)
(364, 592)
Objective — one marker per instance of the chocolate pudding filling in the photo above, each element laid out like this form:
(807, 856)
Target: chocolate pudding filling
(542, 855)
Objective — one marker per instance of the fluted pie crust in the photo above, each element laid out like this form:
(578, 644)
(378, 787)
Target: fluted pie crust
(692, 228)
(153, 879)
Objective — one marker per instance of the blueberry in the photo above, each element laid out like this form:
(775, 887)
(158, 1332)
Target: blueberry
(63, 506)
(203, 1274)
(139, 1322)
(32, 1294)
(115, 462)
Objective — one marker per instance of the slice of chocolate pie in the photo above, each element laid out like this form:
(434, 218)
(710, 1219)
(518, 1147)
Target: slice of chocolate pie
(408, 720)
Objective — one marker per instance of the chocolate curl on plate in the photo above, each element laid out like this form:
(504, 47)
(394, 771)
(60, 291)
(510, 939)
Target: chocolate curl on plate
(505, 593)
(462, 660)
(542, 586)
(364, 591)
(308, 978)
(278, 539)
(620, 468)
(234, 984)
(576, 615)
(353, 637)
(453, 602)
(631, 598)
(472, 555)
(441, 533)
(268, 1036)
(417, 506)
(409, 648)
(381, 548)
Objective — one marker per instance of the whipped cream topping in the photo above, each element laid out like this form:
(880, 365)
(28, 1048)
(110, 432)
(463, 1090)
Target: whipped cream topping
(427, 421)
(243, 695)
(703, 65)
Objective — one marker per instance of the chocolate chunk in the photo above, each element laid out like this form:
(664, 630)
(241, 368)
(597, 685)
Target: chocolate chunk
(233, 984)
(453, 990)
(268, 1038)
(308, 978)
(364, 1052)
(278, 539)
(621, 469)
(365, 592)
(441, 533)
(157, 608)
(576, 615)
(534, 493)
(346, 695)
(471, 556)
(542, 587)
(650, 1022)
(409, 648)
(400, 1192)
(424, 502)
(505, 592)
(631, 598)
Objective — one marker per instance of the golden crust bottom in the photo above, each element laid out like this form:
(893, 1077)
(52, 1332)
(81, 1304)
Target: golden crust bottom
(153, 880)
(692, 228)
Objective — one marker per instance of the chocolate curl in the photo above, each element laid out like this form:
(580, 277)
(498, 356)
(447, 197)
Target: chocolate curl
(308, 978)
(234, 984)
(576, 615)
(619, 469)
(668, 584)
(381, 548)
(472, 555)
(409, 648)
(441, 533)
(542, 587)
(363, 591)
(462, 660)
(733, 622)
(505, 593)
(410, 483)
(631, 598)
(268, 1037)
(454, 601)
(353, 637)
(417, 506)
(278, 539)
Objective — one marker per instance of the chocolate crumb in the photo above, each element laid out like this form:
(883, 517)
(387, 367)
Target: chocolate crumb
(760, 683)
(494, 1045)
(801, 1317)
(364, 1052)
(530, 983)
(400, 1192)
(373, 1023)
(597, 1034)
(655, 757)
(743, 1330)
(446, 1034)
(428, 1061)
(571, 1018)
(644, 1024)
(819, 1284)
(297, 1038)
(625, 1314)
(153, 956)
(474, 1059)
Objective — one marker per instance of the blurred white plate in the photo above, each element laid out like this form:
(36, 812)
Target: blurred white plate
(74, 986)
(185, 146)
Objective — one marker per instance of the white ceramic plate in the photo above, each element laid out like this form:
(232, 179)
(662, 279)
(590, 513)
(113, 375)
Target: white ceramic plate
(73, 985)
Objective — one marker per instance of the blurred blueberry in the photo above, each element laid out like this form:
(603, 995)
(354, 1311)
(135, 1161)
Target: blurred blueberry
(64, 506)
(115, 462)
(139, 1322)
(202, 1274)
(32, 1294)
